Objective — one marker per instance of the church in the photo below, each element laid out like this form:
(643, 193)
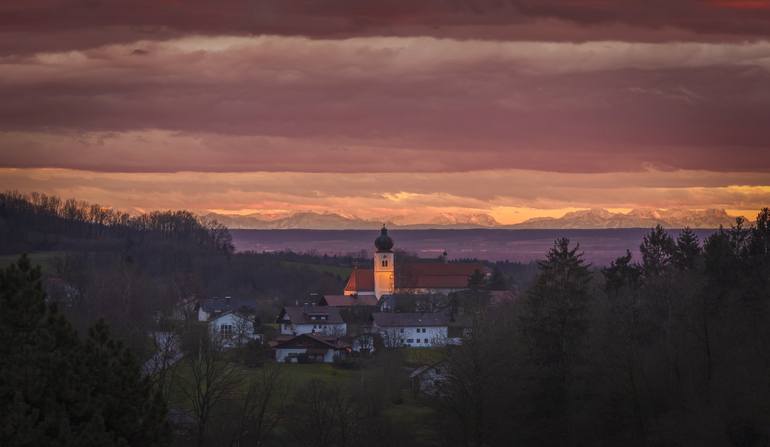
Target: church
(414, 277)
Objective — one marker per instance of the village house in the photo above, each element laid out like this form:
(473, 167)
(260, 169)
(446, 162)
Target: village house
(407, 329)
(362, 343)
(311, 319)
(231, 322)
(428, 380)
(310, 348)
(213, 307)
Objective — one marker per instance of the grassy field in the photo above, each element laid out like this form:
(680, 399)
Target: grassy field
(416, 357)
(416, 418)
(410, 414)
(298, 374)
(43, 258)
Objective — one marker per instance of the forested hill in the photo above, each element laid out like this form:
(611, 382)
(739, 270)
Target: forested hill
(39, 222)
(101, 263)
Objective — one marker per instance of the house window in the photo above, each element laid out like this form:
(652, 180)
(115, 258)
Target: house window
(410, 340)
(426, 340)
(402, 330)
(226, 329)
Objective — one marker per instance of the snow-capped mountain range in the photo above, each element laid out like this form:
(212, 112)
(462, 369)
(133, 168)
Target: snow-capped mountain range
(584, 219)
(638, 218)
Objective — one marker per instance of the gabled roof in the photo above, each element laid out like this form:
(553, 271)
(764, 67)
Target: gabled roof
(441, 364)
(402, 319)
(311, 341)
(348, 300)
(310, 315)
(236, 314)
(222, 305)
(436, 275)
(360, 280)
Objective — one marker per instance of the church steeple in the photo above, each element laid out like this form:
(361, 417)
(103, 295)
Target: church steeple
(384, 265)
(384, 242)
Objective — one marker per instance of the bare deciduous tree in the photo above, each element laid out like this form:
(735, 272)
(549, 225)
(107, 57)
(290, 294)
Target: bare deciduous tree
(209, 382)
(263, 407)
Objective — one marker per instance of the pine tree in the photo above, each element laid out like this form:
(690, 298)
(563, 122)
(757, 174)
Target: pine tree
(476, 280)
(498, 281)
(687, 250)
(554, 323)
(37, 380)
(56, 390)
(620, 274)
(657, 251)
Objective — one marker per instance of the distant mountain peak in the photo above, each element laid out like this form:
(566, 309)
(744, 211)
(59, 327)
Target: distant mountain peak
(314, 220)
(637, 218)
(594, 218)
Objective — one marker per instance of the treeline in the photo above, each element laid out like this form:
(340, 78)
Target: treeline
(129, 269)
(672, 349)
(40, 222)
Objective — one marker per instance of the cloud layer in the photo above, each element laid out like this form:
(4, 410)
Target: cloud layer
(479, 105)
(43, 25)
(368, 104)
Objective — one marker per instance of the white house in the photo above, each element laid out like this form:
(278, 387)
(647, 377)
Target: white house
(310, 319)
(417, 330)
(231, 322)
(310, 348)
(233, 329)
(214, 307)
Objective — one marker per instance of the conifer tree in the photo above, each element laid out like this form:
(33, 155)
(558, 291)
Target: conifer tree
(498, 281)
(657, 251)
(476, 280)
(554, 324)
(555, 318)
(687, 250)
(56, 390)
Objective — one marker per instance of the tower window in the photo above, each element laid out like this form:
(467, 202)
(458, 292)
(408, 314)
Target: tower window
(384, 262)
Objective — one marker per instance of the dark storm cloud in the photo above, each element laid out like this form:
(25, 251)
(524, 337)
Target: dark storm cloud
(276, 103)
(56, 25)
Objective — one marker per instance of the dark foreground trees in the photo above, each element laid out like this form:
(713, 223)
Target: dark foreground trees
(56, 389)
(670, 350)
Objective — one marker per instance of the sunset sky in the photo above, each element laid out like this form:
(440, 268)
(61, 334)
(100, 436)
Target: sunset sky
(514, 108)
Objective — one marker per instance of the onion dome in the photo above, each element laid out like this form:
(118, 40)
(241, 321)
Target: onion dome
(383, 242)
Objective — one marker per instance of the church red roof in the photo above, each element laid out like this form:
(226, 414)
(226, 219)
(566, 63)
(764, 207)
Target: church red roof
(348, 300)
(436, 275)
(360, 280)
(419, 275)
